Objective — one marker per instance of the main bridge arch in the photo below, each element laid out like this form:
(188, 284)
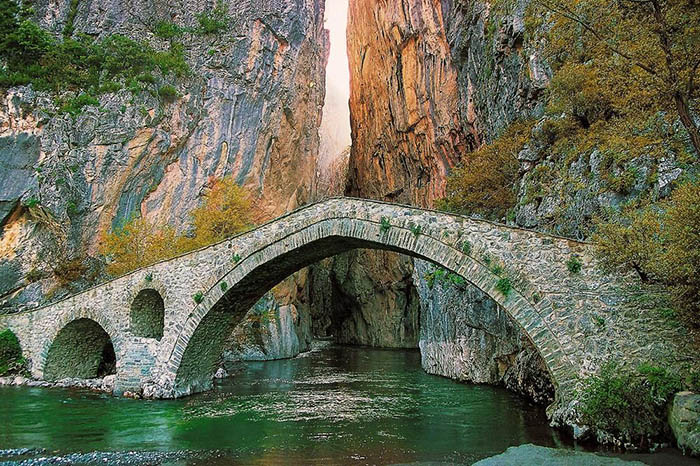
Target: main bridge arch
(534, 266)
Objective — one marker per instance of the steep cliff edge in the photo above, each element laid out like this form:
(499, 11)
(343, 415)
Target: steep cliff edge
(249, 107)
(405, 138)
(413, 119)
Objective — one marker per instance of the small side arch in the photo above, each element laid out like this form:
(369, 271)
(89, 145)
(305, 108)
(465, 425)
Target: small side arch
(147, 314)
(82, 349)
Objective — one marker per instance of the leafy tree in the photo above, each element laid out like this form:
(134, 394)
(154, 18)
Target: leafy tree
(647, 47)
(630, 242)
(661, 244)
(485, 183)
(226, 211)
(681, 258)
(137, 244)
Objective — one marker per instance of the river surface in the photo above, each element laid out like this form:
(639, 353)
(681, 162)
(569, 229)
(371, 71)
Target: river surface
(334, 405)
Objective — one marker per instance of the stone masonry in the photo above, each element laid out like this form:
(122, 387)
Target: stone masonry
(205, 293)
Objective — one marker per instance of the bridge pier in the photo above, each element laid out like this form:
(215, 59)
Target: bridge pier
(135, 367)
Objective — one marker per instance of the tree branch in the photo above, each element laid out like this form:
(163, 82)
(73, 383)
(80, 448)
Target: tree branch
(567, 13)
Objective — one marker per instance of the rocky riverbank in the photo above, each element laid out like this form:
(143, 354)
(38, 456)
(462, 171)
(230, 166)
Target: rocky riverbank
(104, 384)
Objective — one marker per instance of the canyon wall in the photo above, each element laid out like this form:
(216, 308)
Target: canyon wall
(406, 135)
(250, 108)
(416, 111)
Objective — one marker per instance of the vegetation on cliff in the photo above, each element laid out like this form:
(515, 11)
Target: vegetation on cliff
(10, 353)
(32, 55)
(484, 183)
(660, 243)
(226, 211)
(623, 99)
(624, 74)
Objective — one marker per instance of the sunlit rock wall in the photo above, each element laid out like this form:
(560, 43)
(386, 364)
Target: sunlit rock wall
(415, 113)
(251, 108)
(406, 136)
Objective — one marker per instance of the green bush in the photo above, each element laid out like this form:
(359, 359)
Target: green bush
(146, 78)
(214, 21)
(436, 275)
(168, 92)
(441, 275)
(384, 225)
(198, 297)
(75, 105)
(574, 264)
(31, 202)
(168, 30)
(31, 55)
(629, 405)
(10, 352)
(504, 286)
(415, 229)
(69, 28)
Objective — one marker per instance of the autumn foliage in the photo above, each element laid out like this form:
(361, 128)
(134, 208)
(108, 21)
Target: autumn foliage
(485, 183)
(227, 210)
(661, 244)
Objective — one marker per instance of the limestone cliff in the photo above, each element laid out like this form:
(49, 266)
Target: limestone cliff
(403, 88)
(250, 107)
(416, 110)
(406, 135)
(465, 335)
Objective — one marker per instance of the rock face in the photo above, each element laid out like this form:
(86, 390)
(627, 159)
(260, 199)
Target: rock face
(414, 114)
(501, 75)
(250, 108)
(406, 137)
(535, 454)
(351, 306)
(466, 336)
(403, 90)
(270, 331)
(684, 418)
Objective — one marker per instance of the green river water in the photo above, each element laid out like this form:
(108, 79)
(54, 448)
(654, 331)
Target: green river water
(334, 405)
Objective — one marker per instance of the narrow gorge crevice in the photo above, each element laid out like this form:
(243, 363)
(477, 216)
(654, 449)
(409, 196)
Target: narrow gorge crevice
(405, 89)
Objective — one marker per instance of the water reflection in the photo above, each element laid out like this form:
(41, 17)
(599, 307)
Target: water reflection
(336, 405)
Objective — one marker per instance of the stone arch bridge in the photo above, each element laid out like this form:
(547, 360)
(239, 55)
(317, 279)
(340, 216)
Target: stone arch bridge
(167, 323)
